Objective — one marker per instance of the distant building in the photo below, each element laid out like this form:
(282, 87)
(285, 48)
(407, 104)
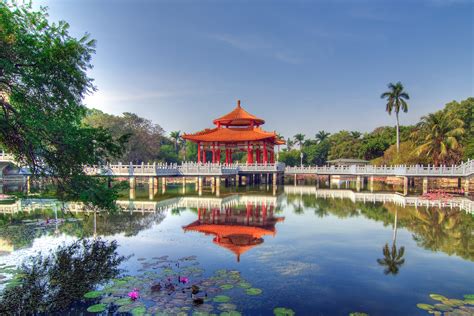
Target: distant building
(348, 162)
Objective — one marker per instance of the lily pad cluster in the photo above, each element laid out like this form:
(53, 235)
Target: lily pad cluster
(449, 306)
(172, 287)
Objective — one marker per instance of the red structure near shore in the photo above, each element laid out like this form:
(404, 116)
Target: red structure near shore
(236, 131)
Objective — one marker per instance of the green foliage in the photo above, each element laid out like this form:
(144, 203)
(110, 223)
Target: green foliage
(439, 137)
(344, 145)
(317, 154)
(52, 282)
(43, 79)
(145, 138)
(290, 157)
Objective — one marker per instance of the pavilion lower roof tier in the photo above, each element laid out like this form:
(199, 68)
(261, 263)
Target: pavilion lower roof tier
(228, 135)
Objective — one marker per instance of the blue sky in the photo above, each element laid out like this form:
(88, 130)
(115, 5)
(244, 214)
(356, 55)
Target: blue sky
(303, 66)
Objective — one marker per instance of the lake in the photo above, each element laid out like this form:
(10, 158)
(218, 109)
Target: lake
(314, 251)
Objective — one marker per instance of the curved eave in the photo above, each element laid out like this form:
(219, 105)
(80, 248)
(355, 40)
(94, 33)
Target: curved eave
(231, 135)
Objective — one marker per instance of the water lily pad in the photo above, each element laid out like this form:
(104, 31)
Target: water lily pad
(221, 299)
(230, 313)
(469, 301)
(426, 307)
(358, 314)
(253, 291)
(438, 297)
(227, 307)
(138, 311)
(469, 296)
(93, 294)
(453, 302)
(245, 285)
(123, 301)
(120, 281)
(125, 308)
(97, 308)
(443, 307)
(108, 299)
(226, 286)
(199, 313)
(282, 311)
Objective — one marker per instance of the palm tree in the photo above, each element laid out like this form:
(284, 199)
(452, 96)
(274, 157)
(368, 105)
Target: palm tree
(175, 136)
(396, 97)
(356, 134)
(299, 138)
(322, 136)
(441, 135)
(392, 259)
(289, 144)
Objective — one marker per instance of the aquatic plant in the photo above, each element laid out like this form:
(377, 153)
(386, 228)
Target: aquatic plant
(51, 282)
(282, 311)
(134, 295)
(449, 306)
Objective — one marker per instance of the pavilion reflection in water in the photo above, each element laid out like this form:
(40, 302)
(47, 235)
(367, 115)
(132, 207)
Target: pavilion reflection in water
(238, 227)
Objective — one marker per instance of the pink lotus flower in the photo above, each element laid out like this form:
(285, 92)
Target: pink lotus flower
(183, 280)
(133, 294)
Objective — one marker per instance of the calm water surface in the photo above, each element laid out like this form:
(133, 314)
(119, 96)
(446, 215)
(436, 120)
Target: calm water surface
(316, 255)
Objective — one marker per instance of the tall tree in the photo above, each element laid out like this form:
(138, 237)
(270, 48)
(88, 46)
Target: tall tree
(175, 136)
(289, 144)
(299, 138)
(43, 80)
(396, 98)
(441, 135)
(322, 136)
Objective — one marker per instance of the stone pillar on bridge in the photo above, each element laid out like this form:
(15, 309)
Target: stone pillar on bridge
(425, 185)
(218, 186)
(371, 183)
(237, 180)
(196, 187)
(163, 185)
(184, 185)
(155, 182)
(200, 185)
(405, 185)
(317, 181)
(132, 193)
(133, 182)
(28, 184)
(151, 193)
(359, 179)
(466, 186)
(295, 180)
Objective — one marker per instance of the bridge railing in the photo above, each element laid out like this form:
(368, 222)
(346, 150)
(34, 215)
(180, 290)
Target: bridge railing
(4, 156)
(464, 169)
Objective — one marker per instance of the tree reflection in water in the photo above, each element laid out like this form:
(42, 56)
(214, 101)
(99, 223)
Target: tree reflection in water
(49, 283)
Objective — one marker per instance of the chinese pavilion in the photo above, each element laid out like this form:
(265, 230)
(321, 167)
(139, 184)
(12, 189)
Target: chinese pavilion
(235, 229)
(236, 131)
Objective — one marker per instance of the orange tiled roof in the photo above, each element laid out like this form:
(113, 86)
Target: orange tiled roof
(232, 135)
(238, 117)
(226, 230)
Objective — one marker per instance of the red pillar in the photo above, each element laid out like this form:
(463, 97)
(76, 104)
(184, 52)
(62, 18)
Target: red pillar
(249, 154)
(199, 152)
(213, 153)
(218, 154)
(265, 153)
(230, 155)
(257, 154)
(203, 154)
(226, 156)
(272, 157)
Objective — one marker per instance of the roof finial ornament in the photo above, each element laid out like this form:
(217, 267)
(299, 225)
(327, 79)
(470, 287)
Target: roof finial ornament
(238, 104)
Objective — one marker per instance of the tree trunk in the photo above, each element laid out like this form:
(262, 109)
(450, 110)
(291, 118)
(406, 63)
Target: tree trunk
(398, 134)
(394, 238)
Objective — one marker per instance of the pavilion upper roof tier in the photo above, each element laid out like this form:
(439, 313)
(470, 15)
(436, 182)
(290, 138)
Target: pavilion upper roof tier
(238, 117)
(233, 135)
